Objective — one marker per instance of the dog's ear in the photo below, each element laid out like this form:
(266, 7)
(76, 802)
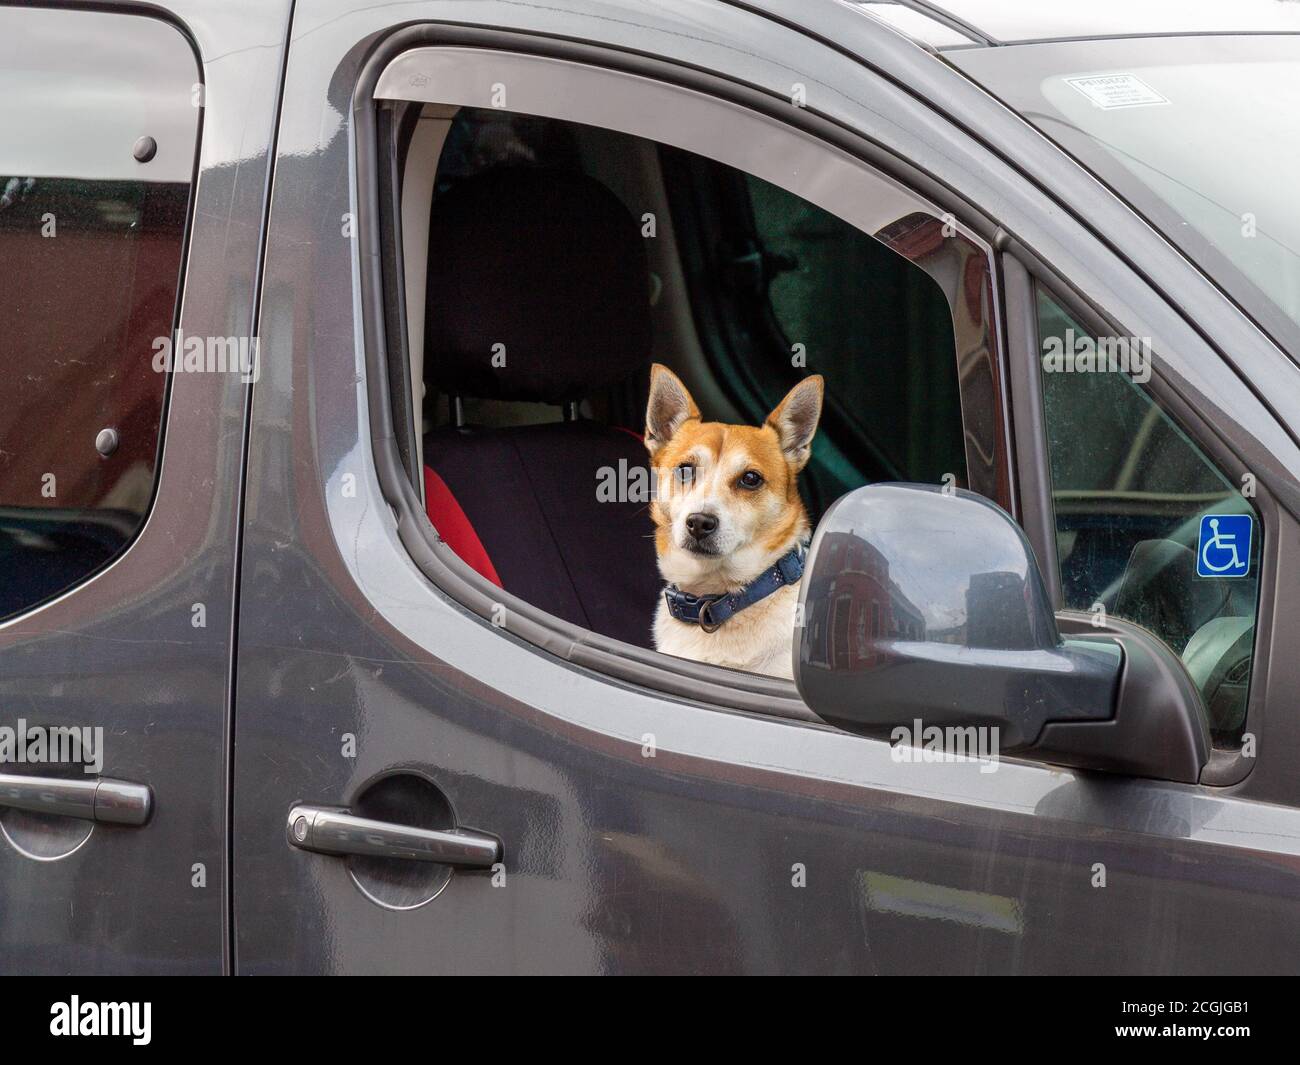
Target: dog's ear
(795, 419)
(670, 405)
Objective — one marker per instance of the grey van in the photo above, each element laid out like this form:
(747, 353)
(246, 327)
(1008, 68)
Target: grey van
(326, 572)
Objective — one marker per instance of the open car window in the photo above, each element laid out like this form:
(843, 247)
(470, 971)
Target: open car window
(538, 262)
(551, 287)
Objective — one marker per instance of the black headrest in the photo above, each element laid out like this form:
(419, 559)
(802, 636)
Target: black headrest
(549, 264)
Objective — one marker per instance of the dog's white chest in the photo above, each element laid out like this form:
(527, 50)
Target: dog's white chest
(759, 638)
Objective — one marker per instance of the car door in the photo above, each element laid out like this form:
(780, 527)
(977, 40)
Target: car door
(135, 147)
(603, 816)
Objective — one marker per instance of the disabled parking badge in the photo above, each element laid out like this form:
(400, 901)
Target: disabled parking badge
(1224, 546)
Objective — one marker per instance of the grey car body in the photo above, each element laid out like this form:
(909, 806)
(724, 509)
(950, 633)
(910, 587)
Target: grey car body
(643, 830)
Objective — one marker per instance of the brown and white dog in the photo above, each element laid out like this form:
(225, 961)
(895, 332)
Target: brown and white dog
(730, 528)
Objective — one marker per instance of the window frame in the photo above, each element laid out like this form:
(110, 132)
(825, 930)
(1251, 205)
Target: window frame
(495, 52)
(1022, 271)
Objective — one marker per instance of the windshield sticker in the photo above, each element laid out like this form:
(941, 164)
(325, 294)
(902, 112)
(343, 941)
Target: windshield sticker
(1223, 548)
(1112, 91)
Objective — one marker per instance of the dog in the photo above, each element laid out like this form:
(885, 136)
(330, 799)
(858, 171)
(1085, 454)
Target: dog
(730, 528)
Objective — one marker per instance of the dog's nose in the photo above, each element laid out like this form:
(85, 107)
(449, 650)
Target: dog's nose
(700, 525)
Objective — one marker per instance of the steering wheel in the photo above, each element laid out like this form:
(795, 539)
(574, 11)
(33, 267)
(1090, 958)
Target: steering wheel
(1161, 591)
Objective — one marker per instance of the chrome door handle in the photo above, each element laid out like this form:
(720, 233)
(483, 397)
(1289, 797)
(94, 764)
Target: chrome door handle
(331, 830)
(99, 799)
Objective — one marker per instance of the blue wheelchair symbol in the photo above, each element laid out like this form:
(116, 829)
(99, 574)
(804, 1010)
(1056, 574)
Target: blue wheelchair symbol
(1224, 546)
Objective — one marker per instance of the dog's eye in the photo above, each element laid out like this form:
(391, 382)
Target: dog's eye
(751, 479)
(684, 473)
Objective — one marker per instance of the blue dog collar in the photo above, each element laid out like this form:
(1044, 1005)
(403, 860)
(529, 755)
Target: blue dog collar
(710, 611)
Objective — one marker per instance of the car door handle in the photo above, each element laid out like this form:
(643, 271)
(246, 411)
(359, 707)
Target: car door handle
(332, 830)
(100, 799)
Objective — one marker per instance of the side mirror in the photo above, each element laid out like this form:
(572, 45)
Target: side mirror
(921, 605)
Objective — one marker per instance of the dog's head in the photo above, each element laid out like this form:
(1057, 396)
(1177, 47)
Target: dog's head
(726, 503)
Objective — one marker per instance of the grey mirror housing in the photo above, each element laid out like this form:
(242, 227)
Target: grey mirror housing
(924, 604)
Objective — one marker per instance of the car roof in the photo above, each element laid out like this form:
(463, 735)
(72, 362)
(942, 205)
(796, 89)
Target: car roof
(962, 23)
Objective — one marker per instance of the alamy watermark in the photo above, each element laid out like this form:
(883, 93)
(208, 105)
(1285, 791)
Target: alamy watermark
(1079, 353)
(63, 744)
(131, 1020)
(919, 743)
(193, 354)
(630, 483)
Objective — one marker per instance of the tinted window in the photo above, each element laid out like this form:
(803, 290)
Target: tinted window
(92, 224)
(1148, 528)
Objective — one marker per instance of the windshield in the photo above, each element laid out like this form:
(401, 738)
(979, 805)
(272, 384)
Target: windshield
(1200, 134)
